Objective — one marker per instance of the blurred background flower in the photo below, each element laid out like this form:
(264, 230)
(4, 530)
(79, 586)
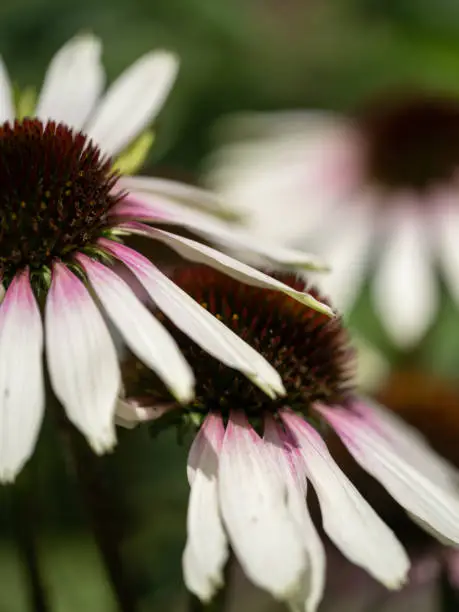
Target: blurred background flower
(237, 55)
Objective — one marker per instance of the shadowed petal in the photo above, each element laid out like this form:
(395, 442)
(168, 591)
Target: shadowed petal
(21, 376)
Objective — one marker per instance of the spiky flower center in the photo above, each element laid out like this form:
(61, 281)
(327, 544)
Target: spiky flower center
(56, 190)
(412, 142)
(309, 350)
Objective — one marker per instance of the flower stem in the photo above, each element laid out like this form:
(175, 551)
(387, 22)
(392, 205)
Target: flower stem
(104, 512)
(23, 516)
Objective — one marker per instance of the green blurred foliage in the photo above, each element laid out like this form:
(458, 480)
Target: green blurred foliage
(236, 54)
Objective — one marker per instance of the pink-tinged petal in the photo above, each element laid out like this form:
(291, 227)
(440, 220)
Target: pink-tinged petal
(21, 376)
(200, 253)
(195, 321)
(261, 530)
(142, 332)
(73, 82)
(82, 359)
(145, 207)
(399, 471)
(133, 101)
(206, 548)
(409, 442)
(290, 463)
(405, 291)
(347, 518)
(189, 195)
(6, 95)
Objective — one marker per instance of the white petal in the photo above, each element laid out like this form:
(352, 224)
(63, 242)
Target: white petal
(21, 376)
(199, 324)
(82, 359)
(158, 208)
(141, 331)
(133, 101)
(6, 95)
(404, 289)
(347, 244)
(206, 549)
(403, 478)
(73, 82)
(292, 472)
(446, 225)
(200, 253)
(262, 533)
(347, 518)
(189, 195)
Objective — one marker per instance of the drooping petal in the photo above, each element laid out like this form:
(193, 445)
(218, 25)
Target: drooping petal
(261, 530)
(404, 290)
(82, 359)
(6, 98)
(403, 478)
(133, 101)
(206, 549)
(73, 82)
(199, 324)
(290, 463)
(145, 206)
(200, 253)
(142, 332)
(408, 441)
(347, 518)
(21, 376)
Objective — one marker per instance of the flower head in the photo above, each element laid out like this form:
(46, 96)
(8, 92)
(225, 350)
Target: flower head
(254, 456)
(65, 208)
(374, 191)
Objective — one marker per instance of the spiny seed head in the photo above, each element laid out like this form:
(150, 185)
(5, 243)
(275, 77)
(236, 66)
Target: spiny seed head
(413, 141)
(55, 193)
(309, 350)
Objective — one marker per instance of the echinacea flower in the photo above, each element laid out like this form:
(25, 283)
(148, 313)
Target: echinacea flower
(254, 456)
(64, 208)
(377, 192)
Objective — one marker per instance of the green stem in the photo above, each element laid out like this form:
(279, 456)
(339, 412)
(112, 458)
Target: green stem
(23, 515)
(103, 506)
